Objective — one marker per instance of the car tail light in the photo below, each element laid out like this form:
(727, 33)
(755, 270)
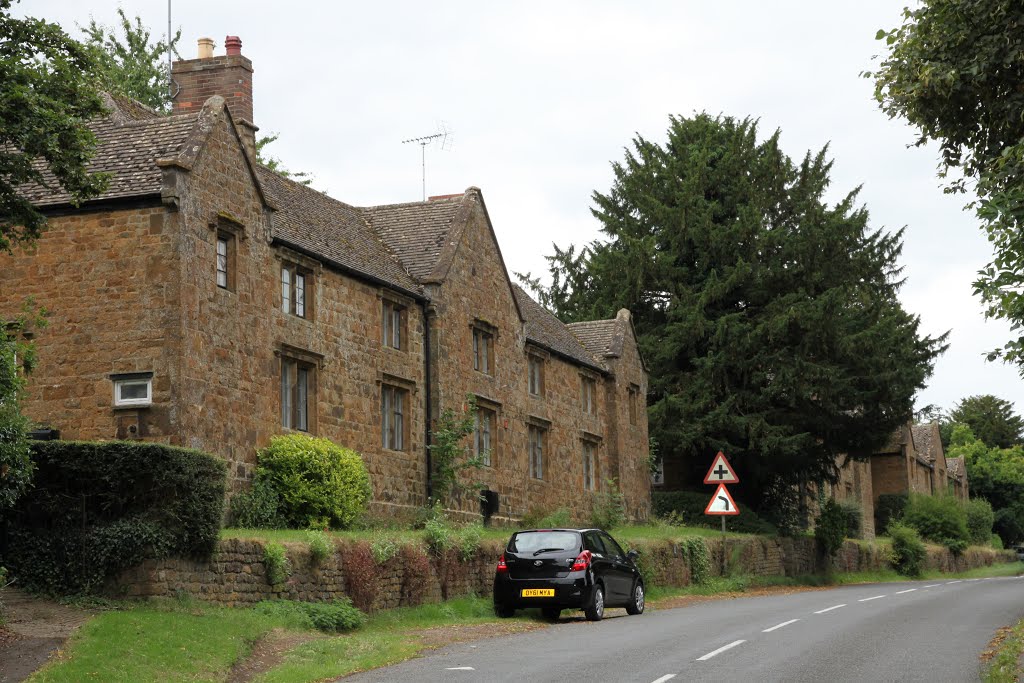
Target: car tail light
(582, 561)
(502, 567)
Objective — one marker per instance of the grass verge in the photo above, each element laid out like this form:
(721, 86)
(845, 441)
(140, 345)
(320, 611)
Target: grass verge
(1004, 665)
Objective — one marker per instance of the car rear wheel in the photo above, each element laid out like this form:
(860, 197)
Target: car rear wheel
(636, 602)
(551, 613)
(595, 608)
(503, 611)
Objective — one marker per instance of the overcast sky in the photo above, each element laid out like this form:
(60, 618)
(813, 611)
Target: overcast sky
(541, 97)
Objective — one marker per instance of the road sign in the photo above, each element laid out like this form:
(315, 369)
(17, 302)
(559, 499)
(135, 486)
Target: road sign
(721, 503)
(721, 472)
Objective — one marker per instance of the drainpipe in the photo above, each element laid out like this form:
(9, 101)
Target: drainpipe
(428, 380)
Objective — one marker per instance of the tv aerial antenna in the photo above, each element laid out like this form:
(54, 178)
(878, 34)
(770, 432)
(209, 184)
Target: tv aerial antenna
(443, 138)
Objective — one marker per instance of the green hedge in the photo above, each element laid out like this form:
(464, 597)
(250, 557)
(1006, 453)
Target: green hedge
(690, 505)
(97, 509)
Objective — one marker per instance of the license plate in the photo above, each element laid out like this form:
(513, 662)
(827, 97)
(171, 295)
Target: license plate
(538, 592)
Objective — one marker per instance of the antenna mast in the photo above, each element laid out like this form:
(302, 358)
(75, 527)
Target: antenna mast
(445, 137)
(170, 81)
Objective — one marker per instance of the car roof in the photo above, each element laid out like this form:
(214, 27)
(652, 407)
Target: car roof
(579, 531)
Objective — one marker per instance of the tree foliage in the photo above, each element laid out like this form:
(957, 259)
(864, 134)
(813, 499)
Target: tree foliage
(954, 70)
(991, 419)
(768, 319)
(129, 64)
(48, 95)
(997, 475)
(17, 359)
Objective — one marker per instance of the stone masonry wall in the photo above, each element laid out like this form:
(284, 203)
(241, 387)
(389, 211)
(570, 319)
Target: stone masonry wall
(235, 575)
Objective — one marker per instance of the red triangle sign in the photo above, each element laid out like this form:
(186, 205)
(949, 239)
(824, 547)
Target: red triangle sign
(721, 472)
(721, 503)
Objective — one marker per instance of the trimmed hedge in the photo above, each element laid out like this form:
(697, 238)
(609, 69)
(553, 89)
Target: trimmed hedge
(690, 505)
(98, 508)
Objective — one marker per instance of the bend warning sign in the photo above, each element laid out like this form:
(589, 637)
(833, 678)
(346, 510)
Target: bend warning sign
(721, 472)
(721, 503)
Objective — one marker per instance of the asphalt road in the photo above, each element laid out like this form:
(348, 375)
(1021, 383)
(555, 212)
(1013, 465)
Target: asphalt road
(914, 631)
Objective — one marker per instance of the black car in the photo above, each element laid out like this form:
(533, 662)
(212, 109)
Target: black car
(556, 569)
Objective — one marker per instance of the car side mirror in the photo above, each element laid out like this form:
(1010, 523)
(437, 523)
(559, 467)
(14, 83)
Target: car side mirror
(633, 554)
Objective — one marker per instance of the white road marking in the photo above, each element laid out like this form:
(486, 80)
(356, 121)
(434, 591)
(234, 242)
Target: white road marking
(778, 626)
(664, 678)
(720, 650)
(460, 668)
(952, 582)
(974, 579)
(829, 609)
(909, 590)
(933, 585)
(875, 597)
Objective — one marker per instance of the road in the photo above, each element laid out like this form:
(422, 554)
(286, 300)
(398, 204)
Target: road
(914, 631)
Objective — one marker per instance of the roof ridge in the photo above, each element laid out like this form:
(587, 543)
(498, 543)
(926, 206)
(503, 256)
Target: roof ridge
(427, 202)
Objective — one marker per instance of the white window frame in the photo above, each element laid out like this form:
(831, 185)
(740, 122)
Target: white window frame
(121, 382)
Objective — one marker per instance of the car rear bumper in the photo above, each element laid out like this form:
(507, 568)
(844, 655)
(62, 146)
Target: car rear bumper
(572, 591)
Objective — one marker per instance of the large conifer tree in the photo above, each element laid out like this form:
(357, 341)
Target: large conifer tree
(769, 320)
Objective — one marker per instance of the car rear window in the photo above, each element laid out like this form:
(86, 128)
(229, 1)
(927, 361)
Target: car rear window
(532, 541)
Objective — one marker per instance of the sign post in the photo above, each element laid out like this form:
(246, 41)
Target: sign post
(721, 503)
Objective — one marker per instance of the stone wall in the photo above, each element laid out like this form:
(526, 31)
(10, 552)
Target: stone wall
(235, 575)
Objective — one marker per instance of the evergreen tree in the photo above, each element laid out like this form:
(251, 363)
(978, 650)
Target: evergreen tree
(769, 320)
(991, 419)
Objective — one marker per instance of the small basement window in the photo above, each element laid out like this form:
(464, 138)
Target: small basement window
(133, 389)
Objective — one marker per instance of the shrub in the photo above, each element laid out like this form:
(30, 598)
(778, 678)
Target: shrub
(995, 542)
(415, 573)
(439, 534)
(318, 482)
(256, 508)
(939, 519)
(854, 517)
(890, 507)
(539, 518)
(362, 575)
(383, 547)
(980, 519)
(276, 563)
(609, 510)
(688, 507)
(330, 617)
(99, 508)
(320, 546)
(830, 531)
(908, 551)
(467, 539)
(698, 557)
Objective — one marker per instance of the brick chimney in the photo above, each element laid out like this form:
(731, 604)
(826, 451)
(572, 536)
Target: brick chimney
(228, 75)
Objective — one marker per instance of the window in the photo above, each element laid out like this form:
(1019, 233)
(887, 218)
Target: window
(536, 452)
(295, 290)
(589, 449)
(634, 397)
(134, 389)
(589, 387)
(298, 394)
(392, 318)
(225, 260)
(393, 403)
(483, 351)
(483, 434)
(536, 369)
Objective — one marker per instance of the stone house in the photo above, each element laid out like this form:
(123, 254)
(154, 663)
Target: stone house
(209, 302)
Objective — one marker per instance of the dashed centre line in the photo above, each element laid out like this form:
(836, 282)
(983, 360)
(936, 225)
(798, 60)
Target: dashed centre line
(720, 650)
(666, 677)
(949, 583)
(933, 585)
(829, 609)
(909, 590)
(874, 597)
(778, 626)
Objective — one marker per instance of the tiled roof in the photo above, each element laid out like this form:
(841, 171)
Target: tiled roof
(544, 329)
(314, 222)
(415, 231)
(127, 149)
(597, 335)
(955, 466)
(926, 441)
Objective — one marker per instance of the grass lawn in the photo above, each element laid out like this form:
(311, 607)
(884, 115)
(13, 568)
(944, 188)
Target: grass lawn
(1004, 665)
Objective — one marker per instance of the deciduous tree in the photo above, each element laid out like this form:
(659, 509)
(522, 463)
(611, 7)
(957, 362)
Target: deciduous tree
(768, 319)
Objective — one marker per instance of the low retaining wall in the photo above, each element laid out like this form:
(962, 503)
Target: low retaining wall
(236, 575)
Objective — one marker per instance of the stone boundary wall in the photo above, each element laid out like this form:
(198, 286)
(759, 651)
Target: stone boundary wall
(235, 575)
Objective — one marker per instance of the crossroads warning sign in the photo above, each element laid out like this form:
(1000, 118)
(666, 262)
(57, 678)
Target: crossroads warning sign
(721, 503)
(721, 472)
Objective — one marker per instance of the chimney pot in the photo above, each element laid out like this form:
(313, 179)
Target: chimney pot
(233, 44)
(205, 48)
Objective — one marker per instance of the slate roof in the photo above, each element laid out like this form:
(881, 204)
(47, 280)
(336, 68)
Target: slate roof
(127, 149)
(415, 231)
(598, 336)
(926, 441)
(314, 222)
(547, 331)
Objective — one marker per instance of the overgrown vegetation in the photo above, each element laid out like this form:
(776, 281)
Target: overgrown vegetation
(539, 518)
(320, 547)
(331, 617)
(688, 507)
(908, 552)
(698, 557)
(830, 531)
(449, 454)
(258, 507)
(890, 508)
(980, 519)
(940, 519)
(854, 515)
(318, 483)
(99, 508)
(609, 507)
(16, 465)
(276, 563)
(1005, 665)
